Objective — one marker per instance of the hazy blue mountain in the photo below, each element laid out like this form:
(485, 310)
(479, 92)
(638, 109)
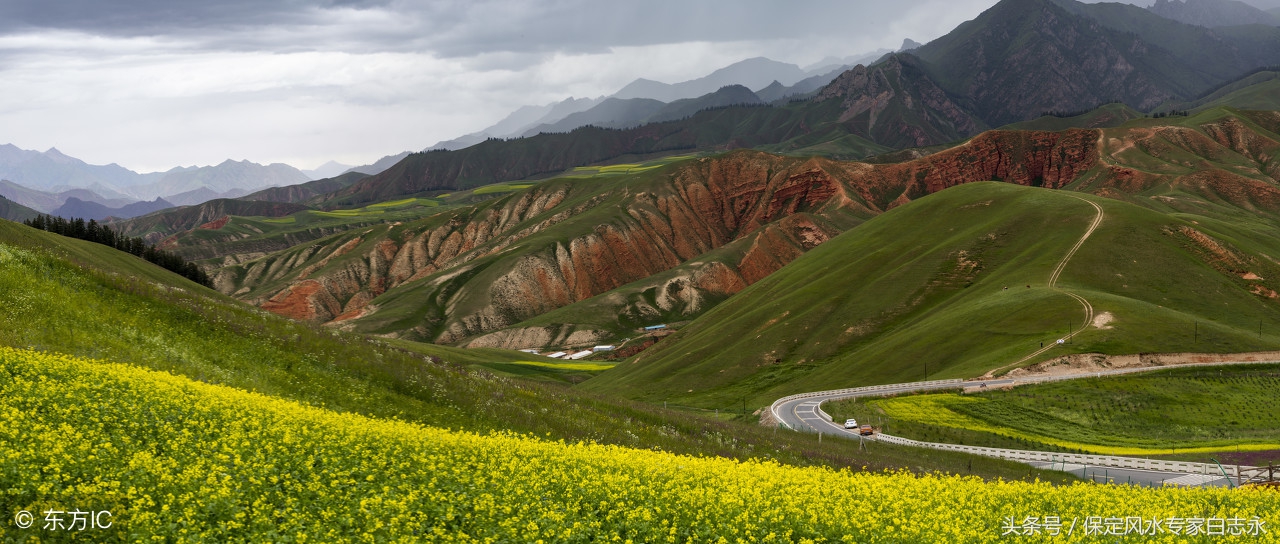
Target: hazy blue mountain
(520, 121)
(222, 178)
(202, 195)
(75, 207)
(1212, 13)
(382, 164)
(829, 64)
(45, 201)
(53, 171)
(612, 113)
(751, 73)
(113, 185)
(327, 170)
(909, 44)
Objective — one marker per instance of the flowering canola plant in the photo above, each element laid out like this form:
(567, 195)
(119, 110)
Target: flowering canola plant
(176, 458)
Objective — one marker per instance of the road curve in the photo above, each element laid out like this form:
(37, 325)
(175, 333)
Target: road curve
(803, 412)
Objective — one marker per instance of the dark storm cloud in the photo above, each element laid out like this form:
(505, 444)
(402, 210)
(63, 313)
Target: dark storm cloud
(447, 28)
(159, 17)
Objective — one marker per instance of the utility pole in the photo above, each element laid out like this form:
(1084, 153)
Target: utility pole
(1195, 334)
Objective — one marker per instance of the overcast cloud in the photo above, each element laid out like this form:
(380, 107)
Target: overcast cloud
(152, 84)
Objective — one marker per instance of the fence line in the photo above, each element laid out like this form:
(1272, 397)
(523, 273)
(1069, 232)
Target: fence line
(1076, 458)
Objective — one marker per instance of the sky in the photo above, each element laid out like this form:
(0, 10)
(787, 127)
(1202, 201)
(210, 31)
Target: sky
(154, 84)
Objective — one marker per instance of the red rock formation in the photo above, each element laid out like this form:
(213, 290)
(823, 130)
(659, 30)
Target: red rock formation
(783, 205)
(216, 223)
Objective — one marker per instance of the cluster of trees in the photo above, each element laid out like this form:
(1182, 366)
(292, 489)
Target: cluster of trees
(1076, 113)
(94, 232)
(1170, 113)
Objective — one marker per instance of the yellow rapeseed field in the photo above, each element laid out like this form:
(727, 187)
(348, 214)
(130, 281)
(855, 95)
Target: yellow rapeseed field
(176, 458)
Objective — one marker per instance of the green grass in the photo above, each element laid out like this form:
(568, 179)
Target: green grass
(1260, 91)
(894, 301)
(1163, 412)
(501, 188)
(77, 298)
(1108, 115)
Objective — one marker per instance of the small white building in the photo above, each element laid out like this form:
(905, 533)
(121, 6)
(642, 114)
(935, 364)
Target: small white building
(557, 355)
(602, 348)
(533, 351)
(580, 355)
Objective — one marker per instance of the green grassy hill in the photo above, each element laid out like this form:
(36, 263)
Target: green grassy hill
(1105, 116)
(1259, 91)
(65, 296)
(920, 291)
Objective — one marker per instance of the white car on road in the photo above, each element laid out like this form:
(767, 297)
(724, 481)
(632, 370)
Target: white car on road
(851, 424)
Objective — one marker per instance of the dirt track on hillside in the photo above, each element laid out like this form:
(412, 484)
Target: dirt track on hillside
(1087, 363)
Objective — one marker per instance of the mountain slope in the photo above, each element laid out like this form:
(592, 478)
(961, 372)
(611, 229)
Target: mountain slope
(611, 113)
(559, 242)
(302, 192)
(1024, 57)
(567, 232)
(1219, 54)
(894, 103)
(15, 212)
(954, 284)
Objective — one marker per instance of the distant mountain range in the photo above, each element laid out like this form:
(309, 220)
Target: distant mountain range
(53, 171)
(53, 182)
(75, 207)
(1069, 57)
(642, 100)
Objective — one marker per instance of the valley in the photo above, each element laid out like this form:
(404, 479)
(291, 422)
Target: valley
(1036, 258)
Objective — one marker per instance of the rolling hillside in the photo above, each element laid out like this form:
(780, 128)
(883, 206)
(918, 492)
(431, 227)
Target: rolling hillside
(491, 266)
(590, 257)
(955, 284)
(65, 297)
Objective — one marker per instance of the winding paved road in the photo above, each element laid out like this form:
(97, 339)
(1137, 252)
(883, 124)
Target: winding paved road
(804, 413)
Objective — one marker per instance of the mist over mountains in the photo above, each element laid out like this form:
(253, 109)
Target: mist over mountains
(643, 100)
